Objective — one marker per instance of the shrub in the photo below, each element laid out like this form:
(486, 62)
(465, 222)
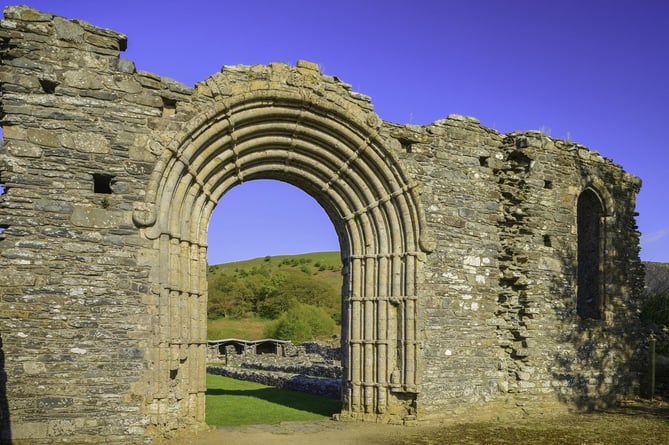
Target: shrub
(300, 323)
(274, 306)
(656, 309)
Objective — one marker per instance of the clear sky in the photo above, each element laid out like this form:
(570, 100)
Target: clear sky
(593, 71)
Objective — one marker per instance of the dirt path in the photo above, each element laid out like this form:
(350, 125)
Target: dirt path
(301, 433)
(636, 423)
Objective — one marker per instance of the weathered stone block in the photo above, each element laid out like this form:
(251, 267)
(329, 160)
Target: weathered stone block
(86, 142)
(23, 150)
(12, 278)
(99, 218)
(68, 30)
(28, 430)
(42, 138)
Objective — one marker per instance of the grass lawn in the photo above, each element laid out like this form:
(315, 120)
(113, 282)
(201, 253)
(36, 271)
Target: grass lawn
(231, 402)
(245, 328)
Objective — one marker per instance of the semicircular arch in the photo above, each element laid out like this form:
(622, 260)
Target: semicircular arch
(337, 157)
(596, 185)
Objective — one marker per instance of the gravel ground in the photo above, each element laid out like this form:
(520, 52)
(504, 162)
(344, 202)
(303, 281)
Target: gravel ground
(634, 422)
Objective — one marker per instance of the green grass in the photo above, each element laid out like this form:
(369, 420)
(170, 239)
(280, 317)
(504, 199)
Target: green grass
(327, 258)
(328, 269)
(231, 402)
(244, 328)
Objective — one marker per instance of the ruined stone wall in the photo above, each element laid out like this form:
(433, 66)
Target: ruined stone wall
(103, 290)
(548, 348)
(75, 302)
(500, 287)
(453, 160)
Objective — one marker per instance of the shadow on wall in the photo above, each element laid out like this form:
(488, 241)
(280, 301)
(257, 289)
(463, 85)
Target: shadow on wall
(596, 356)
(602, 358)
(606, 357)
(5, 427)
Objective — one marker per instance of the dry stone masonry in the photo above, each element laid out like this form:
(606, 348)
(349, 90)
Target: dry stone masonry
(478, 267)
(311, 367)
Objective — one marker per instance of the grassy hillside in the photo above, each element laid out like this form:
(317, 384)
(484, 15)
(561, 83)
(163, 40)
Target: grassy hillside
(324, 266)
(657, 277)
(287, 296)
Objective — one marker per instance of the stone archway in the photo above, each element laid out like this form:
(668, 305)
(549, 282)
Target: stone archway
(336, 158)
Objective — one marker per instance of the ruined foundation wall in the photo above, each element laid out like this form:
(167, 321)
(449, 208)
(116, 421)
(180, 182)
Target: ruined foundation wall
(103, 309)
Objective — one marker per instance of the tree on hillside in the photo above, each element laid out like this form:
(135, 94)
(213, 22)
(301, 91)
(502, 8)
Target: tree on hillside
(657, 278)
(656, 305)
(300, 323)
(268, 293)
(234, 297)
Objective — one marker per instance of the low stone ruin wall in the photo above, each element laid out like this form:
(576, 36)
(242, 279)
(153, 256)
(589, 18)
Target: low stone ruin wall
(325, 387)
(328, 352)
(312, 367)
(295, 365)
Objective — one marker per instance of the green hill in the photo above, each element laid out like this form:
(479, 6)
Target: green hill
(655, 306)
(267, 288)
(325, 266)
(657, 277)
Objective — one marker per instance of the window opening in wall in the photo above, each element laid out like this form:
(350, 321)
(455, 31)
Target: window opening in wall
(102, 183)
(483, 161)
(547, 241)
(548, 184)
(48, 85)
(589, 217)
(169, 107)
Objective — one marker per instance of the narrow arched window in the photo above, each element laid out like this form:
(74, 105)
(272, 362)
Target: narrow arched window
(589, 297)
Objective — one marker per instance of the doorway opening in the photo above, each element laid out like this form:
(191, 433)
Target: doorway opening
(267, 217)
(274, 286)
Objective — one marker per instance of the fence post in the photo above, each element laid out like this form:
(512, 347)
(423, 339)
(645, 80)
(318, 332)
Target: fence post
(651, 365)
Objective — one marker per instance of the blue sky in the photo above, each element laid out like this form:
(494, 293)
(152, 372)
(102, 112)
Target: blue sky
(593, 71)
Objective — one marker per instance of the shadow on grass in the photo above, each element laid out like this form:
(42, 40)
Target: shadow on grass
(291, 399)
